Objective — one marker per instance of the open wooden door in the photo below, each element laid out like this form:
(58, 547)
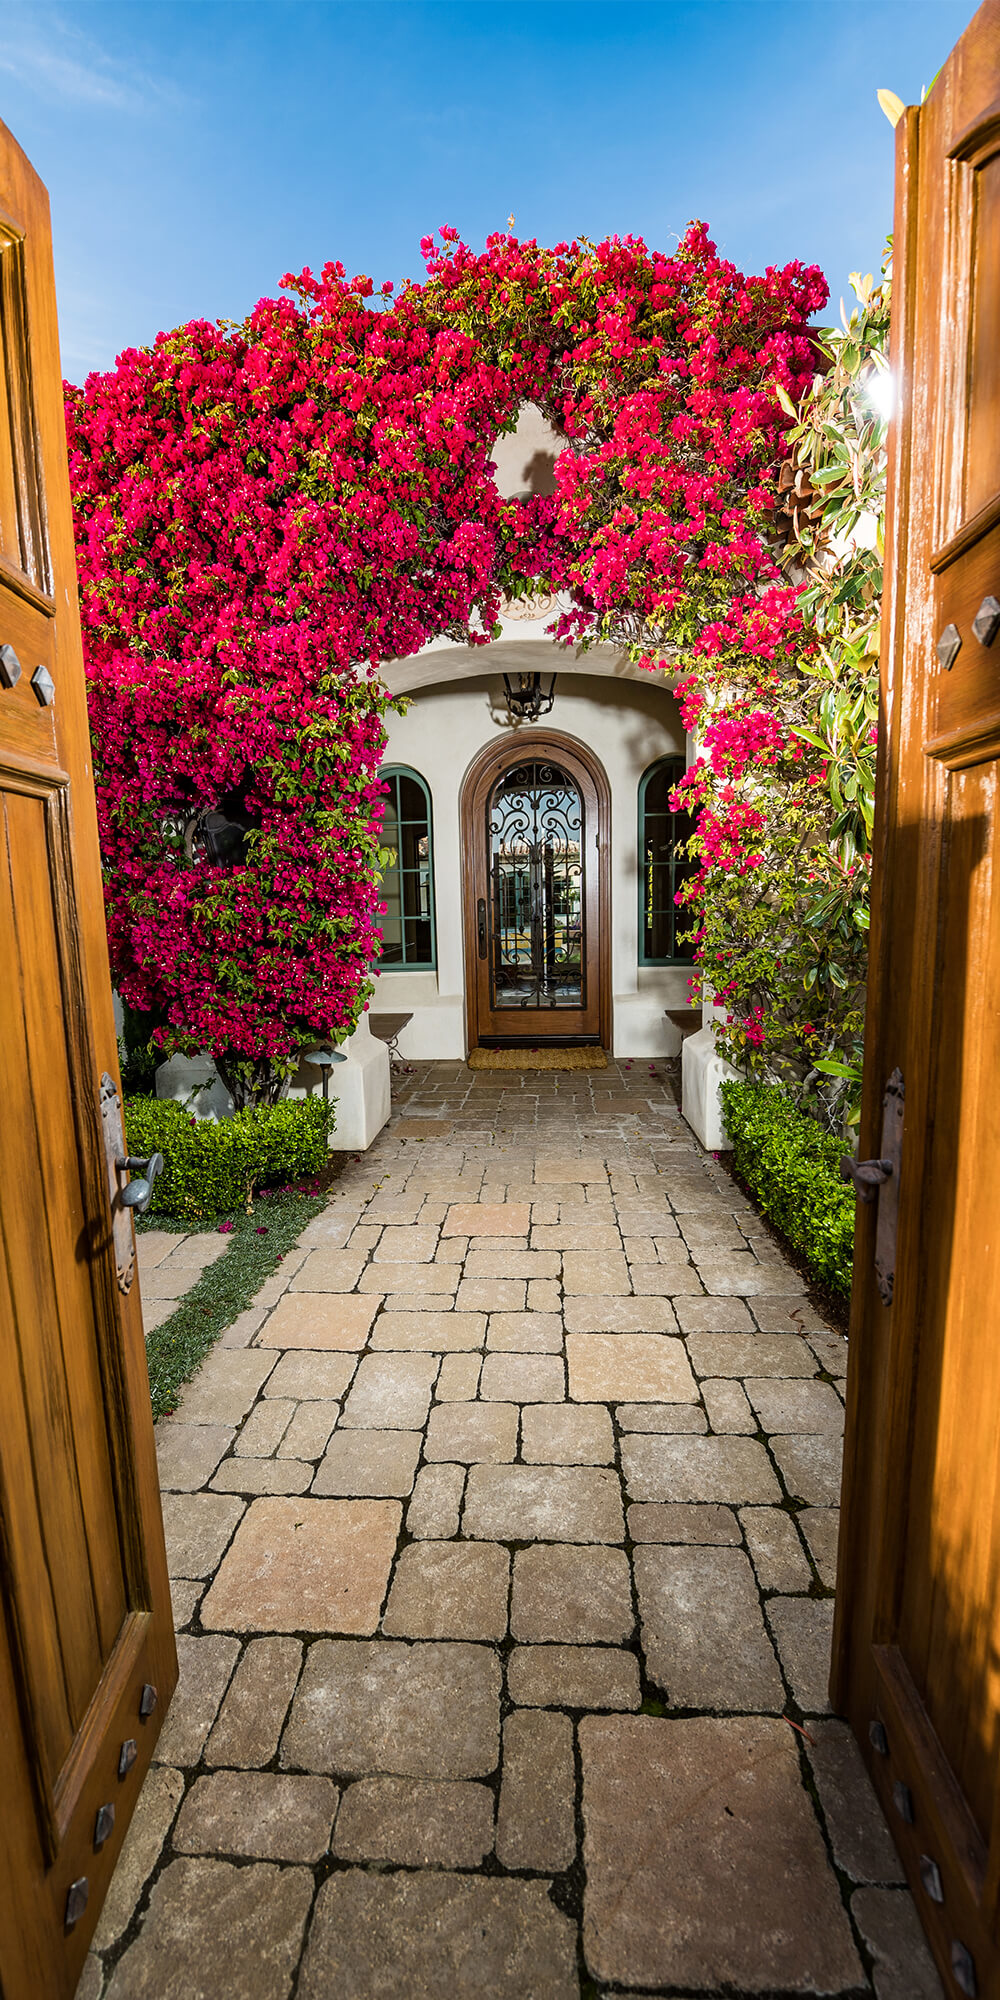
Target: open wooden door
(87, 1658)
(917, 1646)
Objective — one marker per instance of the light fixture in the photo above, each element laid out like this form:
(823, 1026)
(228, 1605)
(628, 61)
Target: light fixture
(527, 700)
(324, 1059)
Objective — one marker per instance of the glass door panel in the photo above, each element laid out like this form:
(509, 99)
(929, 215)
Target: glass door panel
(535, 824)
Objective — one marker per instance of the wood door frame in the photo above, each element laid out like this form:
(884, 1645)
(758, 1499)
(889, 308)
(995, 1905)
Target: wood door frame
(491, 761)
(901, 1350)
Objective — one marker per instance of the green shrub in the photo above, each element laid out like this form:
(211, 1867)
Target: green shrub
(212, 1169)
(792, 1169)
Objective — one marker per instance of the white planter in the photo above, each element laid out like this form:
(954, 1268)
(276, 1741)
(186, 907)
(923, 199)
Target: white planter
(194, 1082)
(703, 1070)
(360, 1087)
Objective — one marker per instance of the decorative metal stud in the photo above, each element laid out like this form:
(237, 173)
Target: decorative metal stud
(77, 1899)
(878, 1738)
(948, 647)
(964, 1967)
(986, 623)
(147, 1700)
(44, 686)
(127, 1757)
(10, 667)
(903, 1801)
(103, 1824)
(930, 1876)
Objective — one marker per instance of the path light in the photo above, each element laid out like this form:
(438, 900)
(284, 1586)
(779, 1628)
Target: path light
(324, 1059)
(528, 699)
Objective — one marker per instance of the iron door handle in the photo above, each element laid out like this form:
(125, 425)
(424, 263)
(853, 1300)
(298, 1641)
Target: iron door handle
(139, 1194)
(481, 925)
(868, 1176)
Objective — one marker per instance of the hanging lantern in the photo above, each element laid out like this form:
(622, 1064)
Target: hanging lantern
(526, 697)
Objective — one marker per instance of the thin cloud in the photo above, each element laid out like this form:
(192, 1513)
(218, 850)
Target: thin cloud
(63, 65)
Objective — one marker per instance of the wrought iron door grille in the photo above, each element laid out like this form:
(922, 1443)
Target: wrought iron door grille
(535, 843)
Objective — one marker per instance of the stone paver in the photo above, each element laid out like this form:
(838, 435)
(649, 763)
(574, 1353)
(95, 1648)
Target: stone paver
(390, 1392)
(677, 1521)
(810, 1467)
(567, 1434)
(629, 1368)
(340, 1321)
(536, 1820)
(419, 1937)
(796, 1406)
(571, 1594)
(533, 1430)
(820, 1526)
(724, 1877)
(573, 1677)
(415, 1822)
(306, 1566)
(472, 1433)
(543, 1503)
(860, 1839)
(442, 1591)
(777, 1554)
(429, 1332)
(904, 1969)
(216, 1928)
(225, 1388)
(369, 1464)
(421, 1711)
(662, 1417)
(187, 1454)
(263, 1814)
(150, 1824)
(198, 1527)
(205, 1666)
(803, 1631)
(729, 1469)
(253, 1712)
(703, 1632)
(434, 1510)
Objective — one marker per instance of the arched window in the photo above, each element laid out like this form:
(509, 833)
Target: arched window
(407, 887)
(663, 866)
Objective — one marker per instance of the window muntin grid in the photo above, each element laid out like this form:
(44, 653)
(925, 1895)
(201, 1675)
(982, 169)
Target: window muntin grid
(407, 888)
(663, 867)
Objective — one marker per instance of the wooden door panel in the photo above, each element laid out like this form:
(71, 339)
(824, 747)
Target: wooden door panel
(87, 1656)
(917, 1639)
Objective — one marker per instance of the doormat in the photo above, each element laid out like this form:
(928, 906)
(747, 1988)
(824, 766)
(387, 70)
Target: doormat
(532, 1059)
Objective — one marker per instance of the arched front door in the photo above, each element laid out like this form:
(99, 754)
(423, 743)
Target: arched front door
(535, 846)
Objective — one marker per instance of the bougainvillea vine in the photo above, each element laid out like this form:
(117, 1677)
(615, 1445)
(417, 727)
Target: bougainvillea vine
(267, 513)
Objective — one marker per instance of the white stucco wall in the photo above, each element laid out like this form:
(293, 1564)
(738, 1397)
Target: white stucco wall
(628, 723)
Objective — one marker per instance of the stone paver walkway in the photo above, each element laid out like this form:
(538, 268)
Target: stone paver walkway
(503, 1535)
(170, 1265)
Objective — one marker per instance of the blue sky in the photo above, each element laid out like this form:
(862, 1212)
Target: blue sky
(196, 151)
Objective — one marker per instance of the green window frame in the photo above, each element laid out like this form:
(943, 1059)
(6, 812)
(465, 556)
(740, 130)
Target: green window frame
(662, 868)
(408, 930)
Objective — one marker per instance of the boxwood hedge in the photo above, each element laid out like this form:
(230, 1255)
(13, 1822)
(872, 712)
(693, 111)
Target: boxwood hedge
(213, 1168)
(792, 1169)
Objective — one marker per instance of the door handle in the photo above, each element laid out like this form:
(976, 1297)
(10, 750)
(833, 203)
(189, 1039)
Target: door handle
(878, 1180)
(481, 925)
(139, 1194)
(867, 1175)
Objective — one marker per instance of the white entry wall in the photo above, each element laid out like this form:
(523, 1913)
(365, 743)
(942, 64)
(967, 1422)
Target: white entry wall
(628, 723)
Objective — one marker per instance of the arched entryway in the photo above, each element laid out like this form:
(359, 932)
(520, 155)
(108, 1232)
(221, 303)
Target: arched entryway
(535, 853)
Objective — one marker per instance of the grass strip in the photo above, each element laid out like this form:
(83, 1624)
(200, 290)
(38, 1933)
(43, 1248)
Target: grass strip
(225, 1289)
